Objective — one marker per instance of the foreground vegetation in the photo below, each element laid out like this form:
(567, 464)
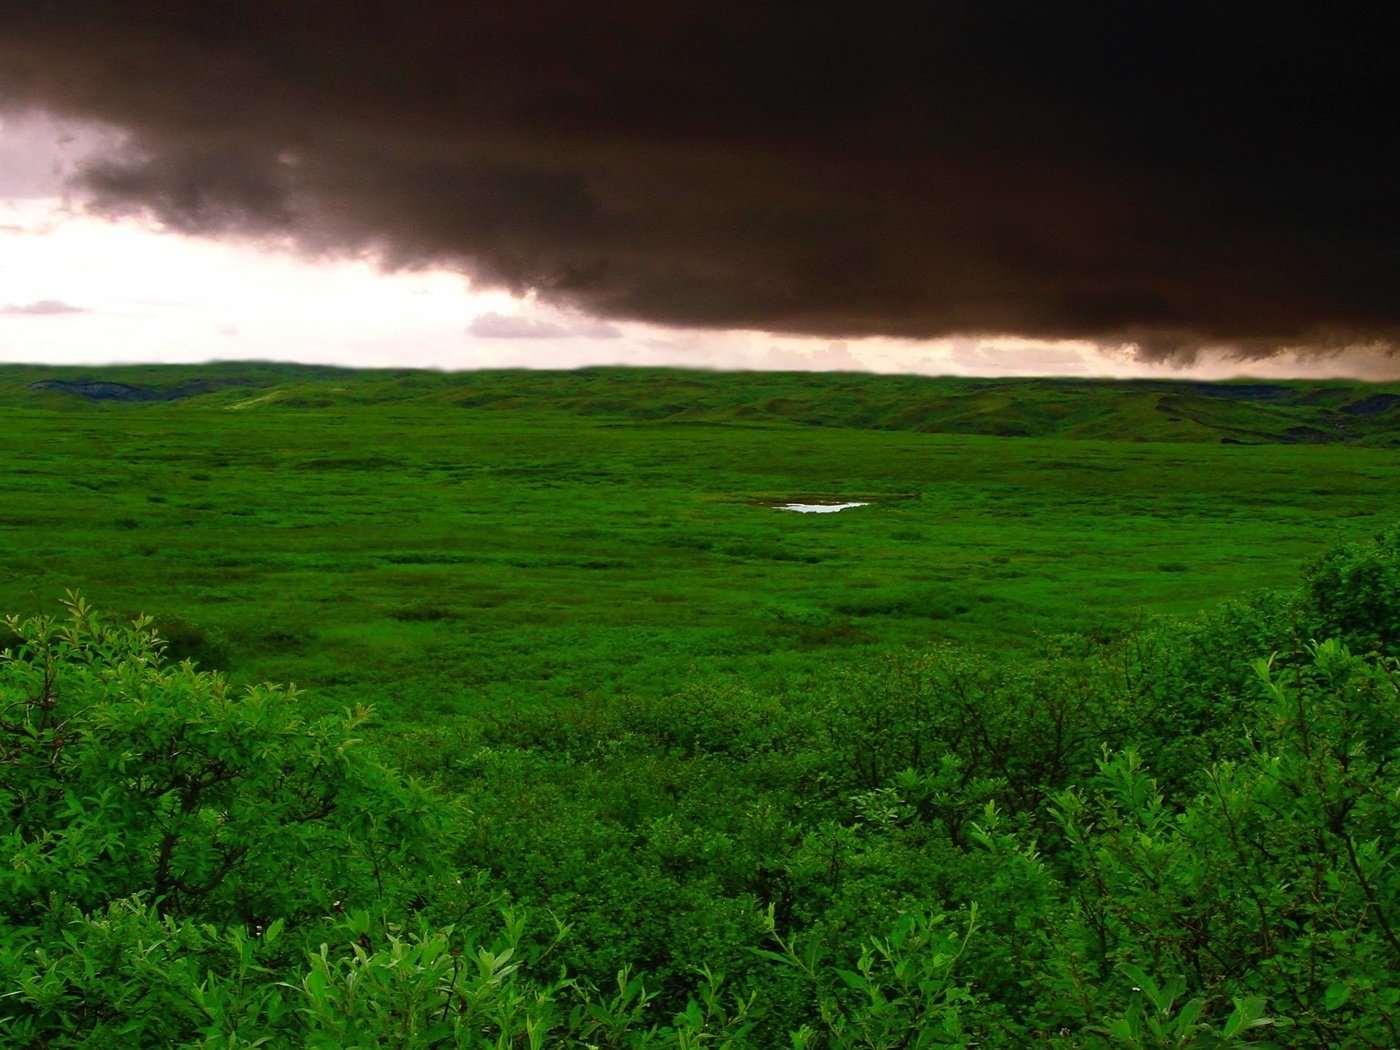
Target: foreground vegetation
(653, 764)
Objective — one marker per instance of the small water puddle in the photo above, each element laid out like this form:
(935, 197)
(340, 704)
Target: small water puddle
(819, 508)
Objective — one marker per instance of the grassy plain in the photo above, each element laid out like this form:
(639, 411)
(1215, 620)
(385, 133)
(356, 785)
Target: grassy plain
(446, 544)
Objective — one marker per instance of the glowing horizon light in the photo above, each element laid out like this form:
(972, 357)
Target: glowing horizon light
(82, 289)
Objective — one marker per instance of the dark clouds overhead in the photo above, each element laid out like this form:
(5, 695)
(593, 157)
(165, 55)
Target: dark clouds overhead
(1170, 175)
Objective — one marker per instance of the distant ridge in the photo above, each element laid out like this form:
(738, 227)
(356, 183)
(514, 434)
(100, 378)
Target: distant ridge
(103, 390)
(1244, 412)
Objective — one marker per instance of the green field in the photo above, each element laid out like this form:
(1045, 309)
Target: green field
(658, 705)
(389, 538)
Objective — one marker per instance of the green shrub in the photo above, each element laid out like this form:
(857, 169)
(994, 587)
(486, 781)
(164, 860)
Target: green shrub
(127, 775)
(131, 787)
(183, 640)
(1277, 881)
(1353, 593)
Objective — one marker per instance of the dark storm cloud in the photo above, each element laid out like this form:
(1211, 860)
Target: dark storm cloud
(1167, 175)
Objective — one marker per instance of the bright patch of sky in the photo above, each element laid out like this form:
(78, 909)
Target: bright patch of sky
(80, 289)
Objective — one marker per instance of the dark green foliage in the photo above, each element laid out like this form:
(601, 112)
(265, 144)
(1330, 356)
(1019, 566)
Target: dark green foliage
(1354, 593)
(126, 775)
(1278, 880)
(147, 802)
(902, 990)
(159, 895)
(182, 640)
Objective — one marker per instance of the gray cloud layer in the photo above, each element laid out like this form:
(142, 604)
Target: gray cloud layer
(43, 308)
(1174, 176)
(504, 326)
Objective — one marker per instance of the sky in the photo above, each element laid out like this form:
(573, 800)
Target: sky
(988, 189)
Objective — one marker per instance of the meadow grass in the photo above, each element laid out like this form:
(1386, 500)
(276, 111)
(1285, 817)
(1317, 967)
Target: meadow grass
(398, 543)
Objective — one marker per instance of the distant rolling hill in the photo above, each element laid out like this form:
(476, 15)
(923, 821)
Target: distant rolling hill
(1291, 412)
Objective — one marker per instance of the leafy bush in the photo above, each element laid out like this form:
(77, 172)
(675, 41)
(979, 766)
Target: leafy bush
(1151, 839)
(1354, 592)
(130, 783)
(1278, 881)
(126, 775)
(183, 640)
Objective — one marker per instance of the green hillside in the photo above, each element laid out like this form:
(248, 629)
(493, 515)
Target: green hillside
(1246, 412)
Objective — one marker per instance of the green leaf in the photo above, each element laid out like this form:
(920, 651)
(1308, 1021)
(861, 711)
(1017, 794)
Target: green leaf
(1189, 1015)
(1248, 1013)
(853, 980)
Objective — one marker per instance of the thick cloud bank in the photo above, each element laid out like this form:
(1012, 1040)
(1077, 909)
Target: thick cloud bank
(1165, 175)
